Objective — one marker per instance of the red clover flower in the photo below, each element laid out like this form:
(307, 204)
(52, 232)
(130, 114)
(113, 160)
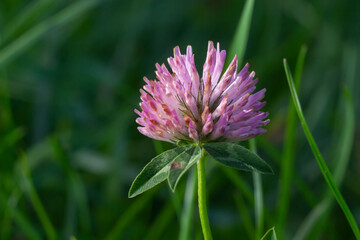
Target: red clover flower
(181, 105)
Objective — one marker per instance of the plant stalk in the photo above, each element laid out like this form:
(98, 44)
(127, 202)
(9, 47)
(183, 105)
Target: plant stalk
(204, 219)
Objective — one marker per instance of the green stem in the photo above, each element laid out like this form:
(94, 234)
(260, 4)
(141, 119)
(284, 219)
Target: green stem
(204, 219)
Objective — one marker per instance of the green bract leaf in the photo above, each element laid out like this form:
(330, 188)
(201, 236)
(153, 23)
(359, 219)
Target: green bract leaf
(270, 235)
(236, 156)
(155, 171)
(181, 164)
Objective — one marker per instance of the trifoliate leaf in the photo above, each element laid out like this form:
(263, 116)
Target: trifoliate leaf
(155, 171)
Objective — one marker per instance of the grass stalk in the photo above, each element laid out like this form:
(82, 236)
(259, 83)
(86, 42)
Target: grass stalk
(245, 215)
(323, 167)
(344, 137)
(288, 156)
(15, 48)
(19, 218)
(239, 42)
(36, 202)
(128, 216)
(75, 185)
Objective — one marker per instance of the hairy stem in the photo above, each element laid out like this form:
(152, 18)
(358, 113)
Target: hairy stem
(202, 197)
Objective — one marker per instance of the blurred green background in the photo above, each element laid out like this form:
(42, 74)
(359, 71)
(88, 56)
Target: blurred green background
(70, 73)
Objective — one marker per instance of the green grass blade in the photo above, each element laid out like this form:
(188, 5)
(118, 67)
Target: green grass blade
(288, 156)
(11, 139)
(5, 214)
(128, 216)
(259, 204)
(270, 235)
(30, 37)
(240, 39)
(258, 197)
(245, 215)
(323, 167)
(187, 214)
(344, 138)
(26, 18)
(35, 200)
(275, 154)
(311, 219)
(161, 222)
(299, 66)
(19, 219)
(76, 186)
(5, 105)
(235, 178)
(305, 191)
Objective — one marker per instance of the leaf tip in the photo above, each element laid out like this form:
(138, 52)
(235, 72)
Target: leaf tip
(304, 47)
(130, 194)
(269, 171)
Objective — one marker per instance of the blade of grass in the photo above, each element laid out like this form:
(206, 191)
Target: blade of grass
(271, 150)
(77, 189)
(30, 37)
(70, 215)
(344, 138)
(10, 139)
(35, 200)
(238, 45)
(160, 223)
(323, 167)
(346, 122)
(288, 157)
(23, 223)
(188, 208)
(270, 234)
(275, 154)
(26, 17)
(258, 197)
(311, 219)
(305, 191)
(128, 216)
(235, 178)
(5, 105)
(5, 218)
(245, 215)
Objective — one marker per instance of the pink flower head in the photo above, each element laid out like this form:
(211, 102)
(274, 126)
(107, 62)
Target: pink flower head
(181, 105)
